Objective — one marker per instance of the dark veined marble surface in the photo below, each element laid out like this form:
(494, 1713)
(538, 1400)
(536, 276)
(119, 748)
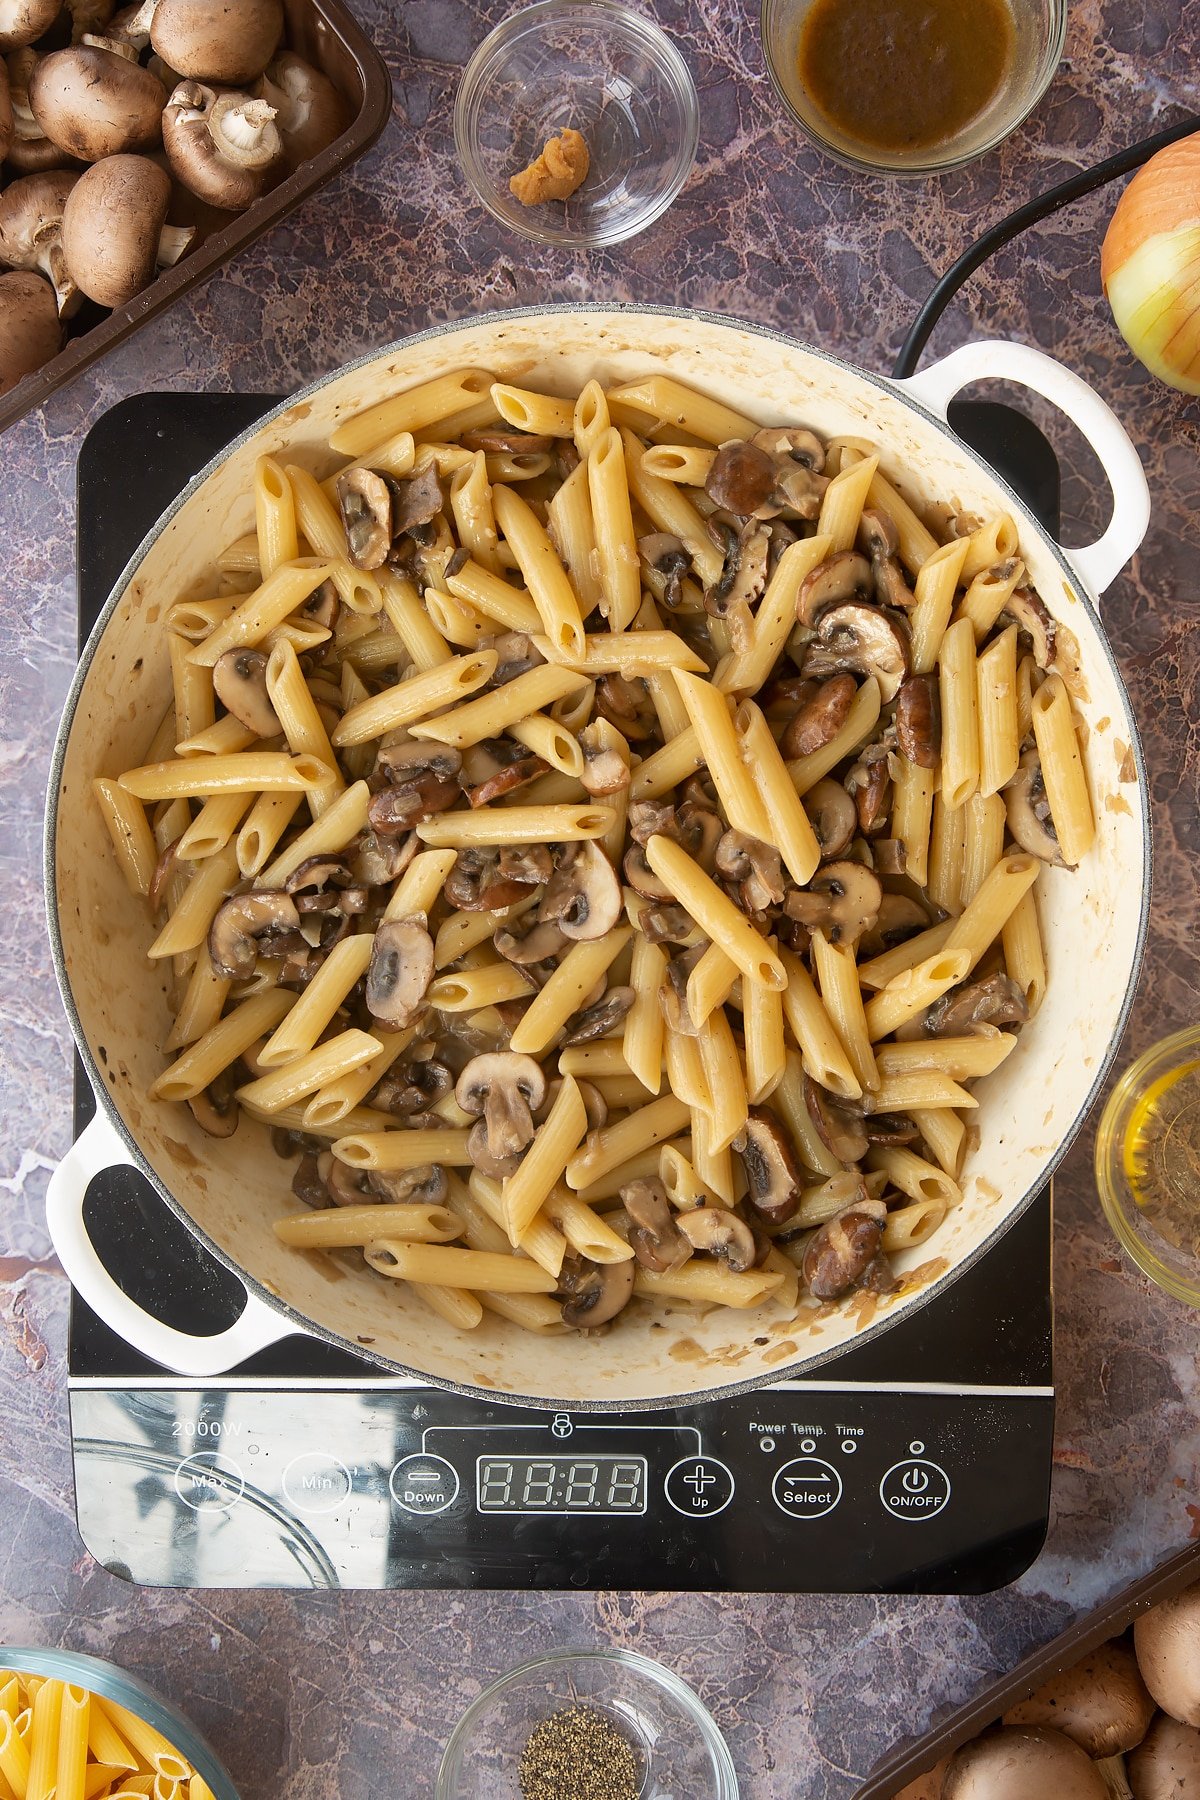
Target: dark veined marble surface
(345, 1696)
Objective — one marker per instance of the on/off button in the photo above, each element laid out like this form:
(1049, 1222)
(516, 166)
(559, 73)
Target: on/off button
(914, 1489)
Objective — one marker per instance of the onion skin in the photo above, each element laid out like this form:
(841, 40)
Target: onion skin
(1150, 265)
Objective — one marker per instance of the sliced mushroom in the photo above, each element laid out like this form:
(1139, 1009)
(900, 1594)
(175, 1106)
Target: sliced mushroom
(860, 638)
(743, 575)
(664, 555)
(418, 499)
(649, 818)
(772, 1170)
(698, 829)
(869, 783)
(879, 539)
(605, 770)
(655, 1239)
(475, 883)
(379, 860)
(820, 717)
(583, 896)
(900, 917)
(627, 705)
(414, 1087)
(666, 924)
(796, 442)
(720, 1233)
(839, 1127)
(239, 681)
(215, 1110)
(757, 868)
(504, 1087)
(538, 943)
(1028, 809)
(1032, 617)
(423, 781)
(308, 1184)
(641, 876)
(498, 1167)
(891, 1129)
(529, 864)
(919, 721)
(841, 577)
(594, 1293)
(742, 479)
(672, 995)
(832, 814)
(400, 970)
(842, 900)
(516, 654)
(841, 1252)
(92, 102)
(996, 1000)
(365, 501)
(240, 925)
(599, 1020)
(428, 1184)
(497, 766)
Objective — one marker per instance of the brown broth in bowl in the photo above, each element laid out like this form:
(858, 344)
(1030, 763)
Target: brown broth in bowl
(904, 75)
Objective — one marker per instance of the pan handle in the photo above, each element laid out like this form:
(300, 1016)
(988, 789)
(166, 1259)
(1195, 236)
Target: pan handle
(100, 1148)
(997, 359)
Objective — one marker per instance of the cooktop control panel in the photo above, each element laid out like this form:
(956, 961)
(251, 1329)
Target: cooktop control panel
(796, 1487)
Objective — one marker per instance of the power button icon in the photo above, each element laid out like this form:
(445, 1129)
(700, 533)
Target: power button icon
(914, 1489)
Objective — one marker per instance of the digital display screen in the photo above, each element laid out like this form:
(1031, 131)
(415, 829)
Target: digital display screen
(561, 1484)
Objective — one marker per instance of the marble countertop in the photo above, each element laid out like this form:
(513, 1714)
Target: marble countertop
(810, 1691)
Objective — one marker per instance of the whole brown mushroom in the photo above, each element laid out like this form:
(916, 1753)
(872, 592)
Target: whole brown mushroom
(93, 102)
(1023, 1762)
(229, 41)
(1167, 1641)
(6, 112)
(23, 21)
(221, 147)
(30, 332)
(114, 232)
(309, 111)
(1166, 1764)
(1101, 1702)
(31, 216)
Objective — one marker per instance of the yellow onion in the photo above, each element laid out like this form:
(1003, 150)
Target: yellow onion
(1150, 265)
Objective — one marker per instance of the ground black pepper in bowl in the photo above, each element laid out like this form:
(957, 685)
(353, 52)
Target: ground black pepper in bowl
(579, 1754)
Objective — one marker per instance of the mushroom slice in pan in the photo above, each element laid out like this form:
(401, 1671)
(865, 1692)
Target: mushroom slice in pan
(427, 1184)
(504, 1087)
(498, 1167)
(757, 868)
(900, 917)
(641, 876)
(841, 577)
(400, 970)
(539, 943)
(308, 1184)
(743, 575)
(320, 883)
(583, 896)
(365, 500)
(599, 1020)
(377, 860)
(665, 555)
(605, 770)
(842, 900)
(416, 499)
(214, 1109)
(772, 1171)
(741, 479)
(422, 780)
(996, 1000)
(672, 995)
(239, 681)
(239, 925)
(821, 716)
(498, 766)
(840, 1253)
(720, 1233)
(919, 721)
(840, 1128)
(795, 442)
(656, 1241)
(1028, 810)
(869, 783)
(666, 924)
(698, 829)
(861, 638)
(627, 705)
(832, 814)
(475, 883)
(891, 1129)
(516, 654)
(593, 1293)
(879, 539)
(1033, 619)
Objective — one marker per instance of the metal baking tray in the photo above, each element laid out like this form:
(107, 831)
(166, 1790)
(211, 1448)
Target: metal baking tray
(907, 1761)
(325, 34)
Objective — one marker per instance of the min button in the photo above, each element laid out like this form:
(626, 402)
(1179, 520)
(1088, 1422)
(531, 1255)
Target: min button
(316, 1483)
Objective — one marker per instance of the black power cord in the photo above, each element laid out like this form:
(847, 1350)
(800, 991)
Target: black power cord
(1111, 169)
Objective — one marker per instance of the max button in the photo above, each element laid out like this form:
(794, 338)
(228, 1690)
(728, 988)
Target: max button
(699, 1487)
(914, 1489)
(424, 1484)
(207, 1483)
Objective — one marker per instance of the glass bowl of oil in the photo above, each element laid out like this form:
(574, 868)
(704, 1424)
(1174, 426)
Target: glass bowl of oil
(911, 87)
(1148, 1163)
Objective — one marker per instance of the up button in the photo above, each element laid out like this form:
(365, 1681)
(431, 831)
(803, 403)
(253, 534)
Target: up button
(915, 1488)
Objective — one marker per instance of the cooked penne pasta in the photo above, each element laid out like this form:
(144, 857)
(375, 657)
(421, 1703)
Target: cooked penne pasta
(821, 1050)
(516, 824)
(999, 745)
(129, 829)
(1024, 957)
(508, 705)
(958, 687)
(1062, 770)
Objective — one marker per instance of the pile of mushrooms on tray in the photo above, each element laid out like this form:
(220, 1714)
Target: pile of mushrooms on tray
(129, 135)
(1121, 1724)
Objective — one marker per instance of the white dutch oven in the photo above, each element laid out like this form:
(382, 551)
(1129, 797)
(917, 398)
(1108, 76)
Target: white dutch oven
(230, 1191)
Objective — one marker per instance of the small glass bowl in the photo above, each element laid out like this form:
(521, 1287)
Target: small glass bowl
(1040, 33)
(602, 69)
(1174, 1268)
(113, 1683)
(683, 1754)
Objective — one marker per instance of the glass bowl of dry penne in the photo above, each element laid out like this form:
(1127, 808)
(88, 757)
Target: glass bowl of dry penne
(82, 1729)
(611, 849)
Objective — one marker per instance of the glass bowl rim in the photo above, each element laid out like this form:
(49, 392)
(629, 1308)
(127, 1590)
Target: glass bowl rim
(1106, 1157)
(658, 1673)
(113, 1682)
(933, 165)
(666, 55)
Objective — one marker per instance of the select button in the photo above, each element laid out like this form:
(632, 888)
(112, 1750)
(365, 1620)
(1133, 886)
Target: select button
(424, 1484)
(807, 1488)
